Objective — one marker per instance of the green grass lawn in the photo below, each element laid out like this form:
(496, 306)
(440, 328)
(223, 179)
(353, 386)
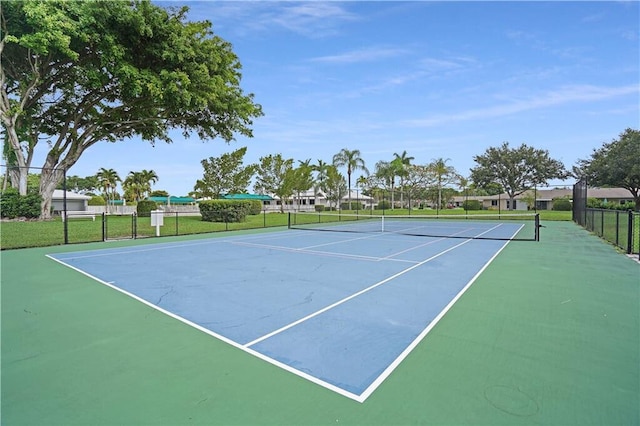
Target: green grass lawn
(21, 234)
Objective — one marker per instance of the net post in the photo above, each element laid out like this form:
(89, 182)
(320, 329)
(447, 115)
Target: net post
(382, 224)
(289, 220)
(537, 225)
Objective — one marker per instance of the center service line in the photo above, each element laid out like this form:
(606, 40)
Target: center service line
(346, 299)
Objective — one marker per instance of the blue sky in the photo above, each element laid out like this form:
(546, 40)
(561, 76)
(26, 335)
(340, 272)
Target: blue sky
(437, 79)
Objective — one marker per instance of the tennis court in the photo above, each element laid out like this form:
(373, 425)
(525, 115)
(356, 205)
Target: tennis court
(341, 309)
(338, 328)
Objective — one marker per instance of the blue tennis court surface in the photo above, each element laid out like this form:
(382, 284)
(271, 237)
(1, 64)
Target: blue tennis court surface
(339, 309)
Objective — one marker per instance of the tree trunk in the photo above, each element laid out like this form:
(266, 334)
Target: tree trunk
(49, 179)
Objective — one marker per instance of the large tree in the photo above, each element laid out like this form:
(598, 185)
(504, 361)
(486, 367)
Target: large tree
(616, 164)
(516, 169)
(334, 186)
(302, 179)
(385, 176)
(353, 161)
(74, 73)
(224, 175)
(275, 176)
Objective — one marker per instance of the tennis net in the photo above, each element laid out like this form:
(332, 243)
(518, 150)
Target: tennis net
(524, 227)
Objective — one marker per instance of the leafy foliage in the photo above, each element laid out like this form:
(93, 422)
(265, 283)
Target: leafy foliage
(516, 169)
(562, 204)
(224, 175)
(225, 210)
(144, 208)
(275, 176)
(352, 160)
(13, 205)
(334, 186)
(471, 205)
(97, 200)
(256, 207)
(138, 184)
(79, 72)
(616, 164)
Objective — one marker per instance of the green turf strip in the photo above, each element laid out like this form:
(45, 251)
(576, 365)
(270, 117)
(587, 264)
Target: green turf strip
(549, 334)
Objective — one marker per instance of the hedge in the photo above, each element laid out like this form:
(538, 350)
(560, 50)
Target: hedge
(13, 205)
(97, 200)
(562, 204)
(256, 207)
(225, 210)
(472, 205)
(144, 208)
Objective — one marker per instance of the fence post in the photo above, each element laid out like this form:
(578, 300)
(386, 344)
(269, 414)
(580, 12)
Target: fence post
(618, 228)
(630, 233)
(104, 226)
(65, 216)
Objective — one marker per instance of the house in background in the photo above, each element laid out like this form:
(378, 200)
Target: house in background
(308, 200)
(543, 198)
(75, 201)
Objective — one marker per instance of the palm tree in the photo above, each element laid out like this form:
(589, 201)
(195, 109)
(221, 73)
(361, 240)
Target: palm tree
(444, 175)
(138, 184)
(321, 169)
(303, 179)
(400, 162)
(108, 180)
(148, 177)
(353, 161)
(362, 182)
(133, 186)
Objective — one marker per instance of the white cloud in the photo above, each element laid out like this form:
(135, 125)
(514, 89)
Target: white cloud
(564, 95)
(363, 55)
(310, 19)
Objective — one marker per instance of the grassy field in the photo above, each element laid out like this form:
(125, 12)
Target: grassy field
(22, 234)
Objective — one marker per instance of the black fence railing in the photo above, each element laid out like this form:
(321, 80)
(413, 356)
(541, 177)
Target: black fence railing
(620, 228)
(99, 227)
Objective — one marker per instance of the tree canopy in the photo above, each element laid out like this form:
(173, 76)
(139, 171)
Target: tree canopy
(224, 175)
(516, 169)
(353, 161)
(275, 175)
(74, 73)
(615, 164)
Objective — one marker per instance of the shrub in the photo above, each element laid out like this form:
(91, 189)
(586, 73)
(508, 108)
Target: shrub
(472, 205)
(319, 207)
(256, 207)
(97, 200)
(384, 205)
(225, 210)
(354, 205)
(13, 205)
(562, 204)
(144, 208)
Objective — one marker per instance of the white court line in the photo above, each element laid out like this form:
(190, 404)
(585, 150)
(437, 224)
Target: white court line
(318, 252)
(359, 398)
(425, 244)
(346, 299)
(382, 377)
(154, 246)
